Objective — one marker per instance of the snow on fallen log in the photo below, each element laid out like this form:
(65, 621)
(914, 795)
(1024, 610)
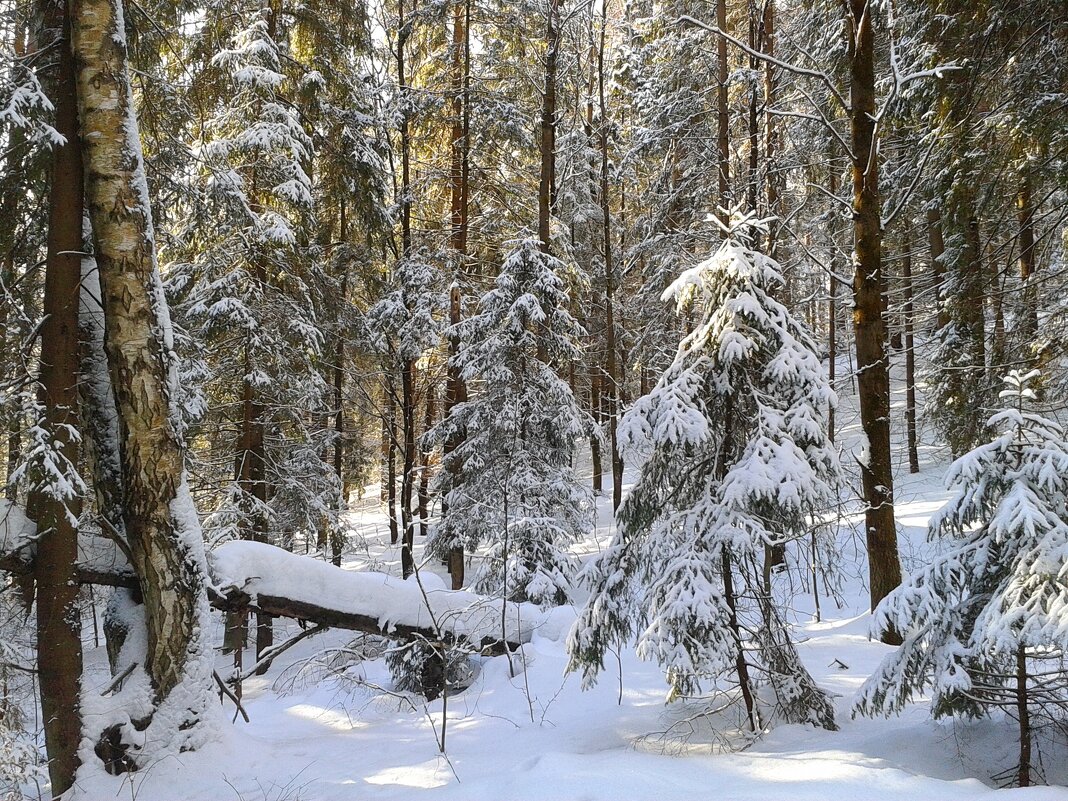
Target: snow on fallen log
(290, 585)
(99, 560)
(262, 577)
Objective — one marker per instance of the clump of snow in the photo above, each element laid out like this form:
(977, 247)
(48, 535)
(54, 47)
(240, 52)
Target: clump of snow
(16, 530)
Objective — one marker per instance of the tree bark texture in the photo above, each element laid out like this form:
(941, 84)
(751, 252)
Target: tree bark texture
(390, 430)
(59, 645)
(1025, 210)
(722, 114)
(423, 502)
(158, 512)
(547, 141)
(408, 402)
(884, 568)
(910, 353)
(459, 193)
(233, 599)
(252, 477)
(772, 177)
(1023, 719)
(611, 383)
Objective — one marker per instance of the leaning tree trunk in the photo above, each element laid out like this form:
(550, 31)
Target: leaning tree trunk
(100, 433)
(873, 369)
(59, 644)
(164, 533)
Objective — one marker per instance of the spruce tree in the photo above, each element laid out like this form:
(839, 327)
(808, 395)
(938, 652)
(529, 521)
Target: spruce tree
(733, 459)
(251, 285)
(513, 490)
(991, 603)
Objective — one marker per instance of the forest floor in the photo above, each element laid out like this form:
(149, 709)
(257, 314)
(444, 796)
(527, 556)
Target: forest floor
(324, 728)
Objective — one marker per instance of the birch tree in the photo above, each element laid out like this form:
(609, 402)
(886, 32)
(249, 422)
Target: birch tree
(163, 530)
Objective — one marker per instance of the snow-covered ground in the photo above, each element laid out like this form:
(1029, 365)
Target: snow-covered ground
(319, 732)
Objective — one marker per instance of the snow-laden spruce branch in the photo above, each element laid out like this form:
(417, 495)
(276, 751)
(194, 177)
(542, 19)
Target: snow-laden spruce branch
(994, 600)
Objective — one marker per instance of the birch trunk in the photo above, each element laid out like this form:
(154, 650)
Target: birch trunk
(164, 534)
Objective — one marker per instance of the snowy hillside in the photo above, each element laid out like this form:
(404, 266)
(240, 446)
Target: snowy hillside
(325, 725)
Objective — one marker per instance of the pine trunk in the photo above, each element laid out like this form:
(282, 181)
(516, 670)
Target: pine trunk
(390, 430)
(884, 568)
(1023, 719)
(1029, 313)
(13, 169)
(832, 345)
(595, 439)
(722, 115)
(832, 285)
(253, 482)
(741, 666)
(408, 365)
(770, 133)
(753, 178)
(337, 542)
(910, 353)
(971, 281)
(547, 140)
(937, 248)
(59, 625)
(611, 392)
(456, 388)
(408, 475)
(424, 461)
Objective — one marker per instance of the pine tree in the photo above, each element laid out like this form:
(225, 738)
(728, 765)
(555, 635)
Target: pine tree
(513, 490)
(991, 602)
(733, 458)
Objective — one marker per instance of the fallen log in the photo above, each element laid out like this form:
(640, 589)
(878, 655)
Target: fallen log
(263, 578)
(272, 580)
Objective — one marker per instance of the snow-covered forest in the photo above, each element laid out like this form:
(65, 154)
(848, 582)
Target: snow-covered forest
(478, 399)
